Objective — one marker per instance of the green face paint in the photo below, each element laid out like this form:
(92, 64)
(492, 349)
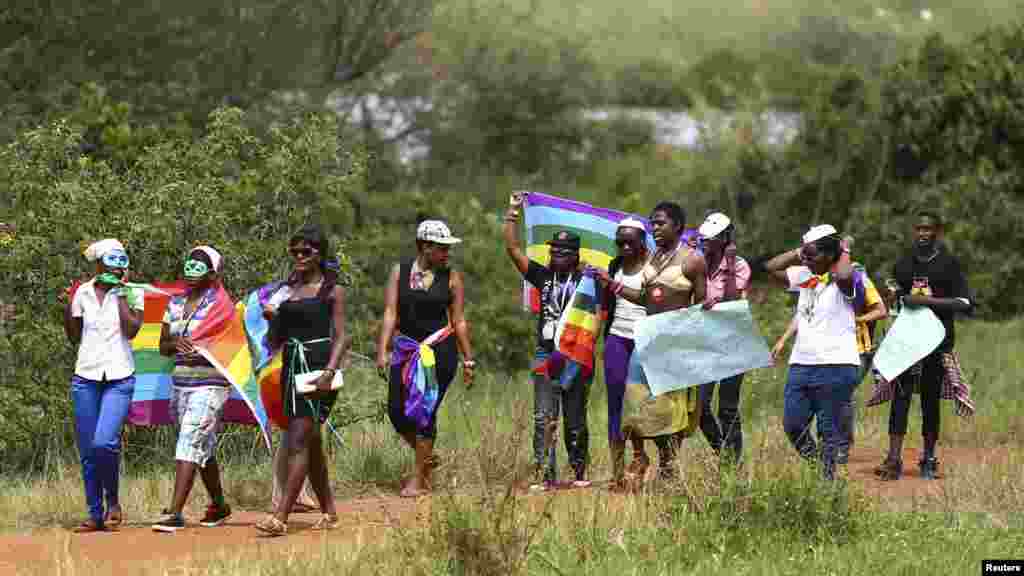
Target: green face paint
(195, 269)
(108, 278)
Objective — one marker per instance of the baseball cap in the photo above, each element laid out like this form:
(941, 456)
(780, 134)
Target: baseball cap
(714, 225)
(565, 239)
(437, 232)
(818, 232)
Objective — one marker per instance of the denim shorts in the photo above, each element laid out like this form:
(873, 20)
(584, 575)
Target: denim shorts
(198, 413)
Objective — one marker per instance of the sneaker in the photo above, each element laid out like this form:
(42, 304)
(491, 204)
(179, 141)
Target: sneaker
(929, 468)
(889, 469)
(170, 523)
(215, 516)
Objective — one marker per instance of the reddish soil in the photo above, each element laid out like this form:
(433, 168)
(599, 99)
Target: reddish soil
(135, 548)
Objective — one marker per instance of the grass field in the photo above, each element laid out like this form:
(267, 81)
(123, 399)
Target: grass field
(774, 517)
(681, 32)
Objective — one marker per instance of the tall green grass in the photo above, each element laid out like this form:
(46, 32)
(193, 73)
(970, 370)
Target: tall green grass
(774, 516)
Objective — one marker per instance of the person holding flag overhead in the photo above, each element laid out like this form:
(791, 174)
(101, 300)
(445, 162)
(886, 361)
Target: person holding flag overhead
(100, 320)
(557, 284)
(200, 390)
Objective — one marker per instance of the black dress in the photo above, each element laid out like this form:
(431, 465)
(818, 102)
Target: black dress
(308, 320)
(420, 314)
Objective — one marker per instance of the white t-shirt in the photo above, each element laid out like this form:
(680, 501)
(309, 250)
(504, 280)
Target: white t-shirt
(826, 329)
(103, 352)
(627, 313)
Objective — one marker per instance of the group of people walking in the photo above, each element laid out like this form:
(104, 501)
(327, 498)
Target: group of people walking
(424, 333)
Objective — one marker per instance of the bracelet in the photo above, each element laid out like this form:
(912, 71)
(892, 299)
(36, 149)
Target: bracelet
(469, 363)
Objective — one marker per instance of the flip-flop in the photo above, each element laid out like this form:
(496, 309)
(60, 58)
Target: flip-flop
(114, 518)
(271, 526)
(326, 522)
(88, 526)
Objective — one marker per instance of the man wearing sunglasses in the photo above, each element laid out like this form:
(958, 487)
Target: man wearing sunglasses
(557, 283)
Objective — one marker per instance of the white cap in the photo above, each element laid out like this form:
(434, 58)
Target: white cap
(632, 223)
(215, 257)
(818, 232)
(96, 250)
(714, 225)
(437, 232)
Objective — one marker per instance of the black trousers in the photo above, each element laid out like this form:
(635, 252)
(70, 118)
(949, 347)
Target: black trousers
(927, 377)
(726, 431)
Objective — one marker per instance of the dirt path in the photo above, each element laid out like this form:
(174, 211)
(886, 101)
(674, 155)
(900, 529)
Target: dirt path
(136, 548)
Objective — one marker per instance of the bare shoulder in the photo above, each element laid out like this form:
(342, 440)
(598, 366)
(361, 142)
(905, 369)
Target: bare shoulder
(694, 263)
(455, 278)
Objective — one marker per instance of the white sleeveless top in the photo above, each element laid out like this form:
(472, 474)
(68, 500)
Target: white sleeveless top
(627, 313)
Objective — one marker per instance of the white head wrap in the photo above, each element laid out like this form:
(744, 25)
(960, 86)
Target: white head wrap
(632, 223)
(96, 250)
(818, 232)
(214, 256)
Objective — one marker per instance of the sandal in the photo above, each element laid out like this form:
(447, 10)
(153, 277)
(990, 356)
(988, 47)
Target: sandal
(326, 522)
(271, 526)
(637, 468)
(114, 518)
(87, 526)
(889, 470)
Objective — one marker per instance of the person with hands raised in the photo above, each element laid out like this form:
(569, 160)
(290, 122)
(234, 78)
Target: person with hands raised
(556, 282)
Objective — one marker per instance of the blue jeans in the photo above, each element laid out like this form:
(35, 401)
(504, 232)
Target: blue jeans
(820, 391)
(100, 411)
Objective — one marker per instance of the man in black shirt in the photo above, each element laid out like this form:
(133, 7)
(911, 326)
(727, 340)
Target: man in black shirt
(556, 283)
(927, 276)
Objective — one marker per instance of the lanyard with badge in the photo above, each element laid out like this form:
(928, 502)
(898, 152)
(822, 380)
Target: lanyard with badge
(561, 295)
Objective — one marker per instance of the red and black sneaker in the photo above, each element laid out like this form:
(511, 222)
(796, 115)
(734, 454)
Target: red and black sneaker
(215, 515)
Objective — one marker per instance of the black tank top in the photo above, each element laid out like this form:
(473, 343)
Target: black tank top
(423, 312)
(307, 319)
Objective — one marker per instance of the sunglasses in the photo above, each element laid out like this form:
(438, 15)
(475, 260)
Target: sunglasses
(115, 259)
(302, 252)
(621, 243)
(562, 252)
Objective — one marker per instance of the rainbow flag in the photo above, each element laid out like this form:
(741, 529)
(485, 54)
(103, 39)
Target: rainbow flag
(267, 362)
(224, 344)
(546, 214)
(577, 332)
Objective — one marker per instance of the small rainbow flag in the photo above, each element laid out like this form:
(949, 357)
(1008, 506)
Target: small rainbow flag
(226, 347)
(577, 332)
(546, 214)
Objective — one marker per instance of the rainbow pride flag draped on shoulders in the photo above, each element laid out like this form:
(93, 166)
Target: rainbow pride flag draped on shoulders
(546, 214)
(220, 338)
